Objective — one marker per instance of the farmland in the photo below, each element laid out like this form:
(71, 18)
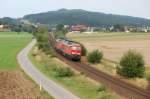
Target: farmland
(14, 83)
(114, 45)
(10, 44)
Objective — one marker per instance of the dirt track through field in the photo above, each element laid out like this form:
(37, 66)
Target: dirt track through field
(113, 50)
(14, 86)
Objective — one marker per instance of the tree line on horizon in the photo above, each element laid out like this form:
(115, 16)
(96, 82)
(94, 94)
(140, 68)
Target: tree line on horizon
(78, 16)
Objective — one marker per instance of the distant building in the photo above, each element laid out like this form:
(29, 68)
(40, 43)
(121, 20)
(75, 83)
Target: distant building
(66, 26)
(4, 28)
(1, 26)
(128, 29)
(78, 28)
(111, 28)
(136, 29)
(143, 29)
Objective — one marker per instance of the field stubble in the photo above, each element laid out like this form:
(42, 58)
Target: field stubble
(114, 45)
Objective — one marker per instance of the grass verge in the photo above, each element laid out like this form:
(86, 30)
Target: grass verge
(79, 84)
(36, 87)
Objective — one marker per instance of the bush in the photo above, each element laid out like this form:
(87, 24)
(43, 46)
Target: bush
(63, 72)
(101, 88)
(95, 56)
(131, 65)
(105, 95)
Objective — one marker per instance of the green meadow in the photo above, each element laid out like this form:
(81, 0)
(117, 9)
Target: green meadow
(10, 44)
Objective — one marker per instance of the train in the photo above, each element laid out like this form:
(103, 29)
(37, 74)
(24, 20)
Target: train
(69, 49)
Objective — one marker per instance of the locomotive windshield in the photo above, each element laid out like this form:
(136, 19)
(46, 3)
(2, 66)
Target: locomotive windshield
(76, 48)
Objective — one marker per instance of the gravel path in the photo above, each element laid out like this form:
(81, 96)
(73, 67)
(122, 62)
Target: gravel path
(50, 86)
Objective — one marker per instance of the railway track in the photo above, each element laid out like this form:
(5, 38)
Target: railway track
(121, 87)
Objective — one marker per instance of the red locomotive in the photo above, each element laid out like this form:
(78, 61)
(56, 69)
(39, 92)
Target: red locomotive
(69, 49)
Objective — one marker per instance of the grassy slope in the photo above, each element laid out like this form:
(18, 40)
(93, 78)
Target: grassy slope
(10, 44)
(78, 84)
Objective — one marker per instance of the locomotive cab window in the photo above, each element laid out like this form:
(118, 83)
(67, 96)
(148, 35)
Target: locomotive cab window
(76, 48)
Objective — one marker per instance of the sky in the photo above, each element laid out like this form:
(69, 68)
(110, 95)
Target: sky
(19, 8)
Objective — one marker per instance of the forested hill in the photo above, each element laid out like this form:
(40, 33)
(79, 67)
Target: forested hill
(9, 21)
(78, 16)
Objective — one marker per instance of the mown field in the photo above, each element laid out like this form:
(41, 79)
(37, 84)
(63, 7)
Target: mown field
(10, 44)
(14, 83)
(114, 45)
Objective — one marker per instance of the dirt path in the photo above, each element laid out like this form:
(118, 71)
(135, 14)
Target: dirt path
(50, 86)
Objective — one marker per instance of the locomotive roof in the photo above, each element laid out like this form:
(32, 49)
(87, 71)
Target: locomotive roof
(68, 41)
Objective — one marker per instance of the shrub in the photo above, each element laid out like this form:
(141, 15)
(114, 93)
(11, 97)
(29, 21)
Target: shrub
(101, 88)
(105, 95)
(95, 56)
(131, 65)
(63, 72)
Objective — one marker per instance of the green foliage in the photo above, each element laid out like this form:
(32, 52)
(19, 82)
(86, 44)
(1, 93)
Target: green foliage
(8, 21)
(60, 31)
(99, 30)
(105, 96)
(60, 34)
(95, 56)
(118, 27)
(83, 30)
(16, 28)
(24, 28)
(77, 83)
(42, 37)
(148, 79)
(28, 28)
(63, 72)
(101, 88)
(42, 29)
(131, 65)
(43, 40)
(84, 17)
(59, 27)
(103, 91)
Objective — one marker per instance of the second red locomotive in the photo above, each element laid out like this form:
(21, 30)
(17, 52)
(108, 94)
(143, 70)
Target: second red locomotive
(68, 48)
